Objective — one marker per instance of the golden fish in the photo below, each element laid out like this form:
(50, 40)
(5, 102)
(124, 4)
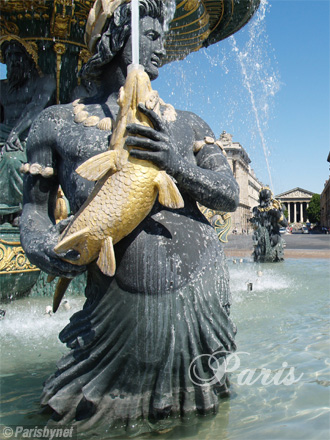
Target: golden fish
(125, 192)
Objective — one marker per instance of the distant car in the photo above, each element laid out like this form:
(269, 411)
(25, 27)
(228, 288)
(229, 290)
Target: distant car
(283, 230)
(304, 230)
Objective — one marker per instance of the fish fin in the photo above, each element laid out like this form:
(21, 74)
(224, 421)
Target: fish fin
(60, 290)
(169, 194)
(70, 241)
(97, 166)
(50, 278)
(107, 259)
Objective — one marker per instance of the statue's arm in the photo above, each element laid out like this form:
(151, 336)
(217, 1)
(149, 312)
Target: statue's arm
(39, 233)
(43, 93)
(208, 179)
(282, 220)
(255, 215)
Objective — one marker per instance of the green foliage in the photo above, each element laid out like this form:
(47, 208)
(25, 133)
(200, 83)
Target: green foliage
(314, 209)
(286, 214)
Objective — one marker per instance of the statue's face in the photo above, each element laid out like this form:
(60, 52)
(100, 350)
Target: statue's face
(15, 58)
(151, 46)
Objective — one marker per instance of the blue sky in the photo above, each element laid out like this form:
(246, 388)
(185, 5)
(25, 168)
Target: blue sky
(269, 87)
(287, 71)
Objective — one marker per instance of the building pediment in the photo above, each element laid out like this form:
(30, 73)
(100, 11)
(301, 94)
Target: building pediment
(296, 193)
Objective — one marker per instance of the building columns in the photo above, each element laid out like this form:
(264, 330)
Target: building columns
(296, 208)
(289, 213)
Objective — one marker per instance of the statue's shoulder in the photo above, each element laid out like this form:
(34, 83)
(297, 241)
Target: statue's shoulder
(44, 133)
(197, 124)
(54, 113)
(51, 118)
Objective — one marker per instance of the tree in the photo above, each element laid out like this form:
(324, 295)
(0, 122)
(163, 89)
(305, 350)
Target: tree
(314, 209)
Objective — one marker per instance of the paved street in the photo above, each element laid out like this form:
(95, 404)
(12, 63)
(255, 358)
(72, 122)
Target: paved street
(297, 245)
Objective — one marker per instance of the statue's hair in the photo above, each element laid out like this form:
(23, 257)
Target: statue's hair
(115, 34)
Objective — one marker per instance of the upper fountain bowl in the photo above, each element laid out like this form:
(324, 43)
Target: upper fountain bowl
(198, 24)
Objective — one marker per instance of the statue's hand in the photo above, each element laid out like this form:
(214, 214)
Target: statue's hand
(13, 142)
(157, 144)
(47, 259)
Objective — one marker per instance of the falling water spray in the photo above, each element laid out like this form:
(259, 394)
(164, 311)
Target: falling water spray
(135, 32)
(250, 71)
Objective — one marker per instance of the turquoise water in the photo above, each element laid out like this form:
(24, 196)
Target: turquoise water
(283, 326)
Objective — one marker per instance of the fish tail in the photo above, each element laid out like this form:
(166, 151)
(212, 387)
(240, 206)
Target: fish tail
(169, 194)
(50, 278)
(62, 285)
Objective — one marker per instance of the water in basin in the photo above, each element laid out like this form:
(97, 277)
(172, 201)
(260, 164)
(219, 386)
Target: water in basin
(283, 326)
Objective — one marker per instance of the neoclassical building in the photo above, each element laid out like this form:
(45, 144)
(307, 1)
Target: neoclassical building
(325, 205)
(296, 201)
(249, 185)
(325, 202)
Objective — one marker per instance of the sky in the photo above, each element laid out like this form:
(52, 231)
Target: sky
(268, 86)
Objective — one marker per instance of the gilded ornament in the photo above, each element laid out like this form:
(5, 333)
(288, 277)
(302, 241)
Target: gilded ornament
(91, 121)
(47, 172)
(25, 168)
(220, 145)
(190, 5)
(105, 124)
(198, 145)
(8, 28)
(152, 100)
(61, 210)
(169, 113)
(78, 108)
(209, 140)
(13, 258)
(221, 221)
(59, 48)
(35, 169)
(81, 117)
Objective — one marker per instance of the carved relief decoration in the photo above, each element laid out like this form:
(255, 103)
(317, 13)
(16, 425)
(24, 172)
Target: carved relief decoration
(221, 221)
(297, 193)
(13, 258)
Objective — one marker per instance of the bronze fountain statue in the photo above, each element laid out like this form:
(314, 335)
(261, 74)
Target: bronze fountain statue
(157, 299)
(268, 216)
(24, 94)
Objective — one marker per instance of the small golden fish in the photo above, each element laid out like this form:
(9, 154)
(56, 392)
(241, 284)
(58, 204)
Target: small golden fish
(125, 192)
